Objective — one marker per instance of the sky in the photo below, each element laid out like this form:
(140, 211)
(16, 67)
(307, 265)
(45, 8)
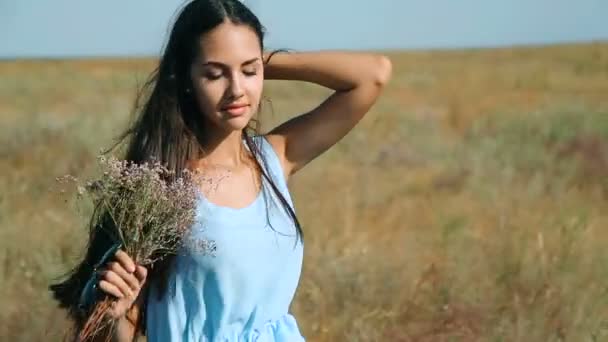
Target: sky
(77, 28)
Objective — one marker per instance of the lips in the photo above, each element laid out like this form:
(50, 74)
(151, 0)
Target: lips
(234, 106)
(235, 110)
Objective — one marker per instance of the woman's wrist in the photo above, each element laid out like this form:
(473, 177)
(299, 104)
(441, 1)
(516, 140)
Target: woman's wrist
(124, 330)
(311, 66)
(274, 65)
(337, 70)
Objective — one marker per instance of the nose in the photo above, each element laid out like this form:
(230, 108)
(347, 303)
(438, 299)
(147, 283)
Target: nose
(236, 87)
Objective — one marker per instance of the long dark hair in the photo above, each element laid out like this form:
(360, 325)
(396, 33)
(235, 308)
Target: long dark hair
(168, 128)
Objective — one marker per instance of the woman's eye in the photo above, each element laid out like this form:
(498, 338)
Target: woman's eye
(213, 76)
(250, 72)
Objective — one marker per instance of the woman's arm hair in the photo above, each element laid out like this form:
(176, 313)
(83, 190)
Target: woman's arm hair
(357, 78)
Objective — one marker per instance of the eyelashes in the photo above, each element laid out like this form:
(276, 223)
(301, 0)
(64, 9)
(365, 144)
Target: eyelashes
(212, 76)
(215, 76)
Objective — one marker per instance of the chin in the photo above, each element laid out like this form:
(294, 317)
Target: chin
(236, 124)
(229, 123)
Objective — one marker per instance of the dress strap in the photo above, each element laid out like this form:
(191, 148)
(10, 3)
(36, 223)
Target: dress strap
(272, 165)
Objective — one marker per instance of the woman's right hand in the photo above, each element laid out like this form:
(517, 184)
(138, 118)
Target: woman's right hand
(123, 279)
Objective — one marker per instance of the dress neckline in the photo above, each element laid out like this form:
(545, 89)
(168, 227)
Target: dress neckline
(249, 206)
(257, 199)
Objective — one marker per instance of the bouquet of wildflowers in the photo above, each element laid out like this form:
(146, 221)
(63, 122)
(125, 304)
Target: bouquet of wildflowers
(145, 215)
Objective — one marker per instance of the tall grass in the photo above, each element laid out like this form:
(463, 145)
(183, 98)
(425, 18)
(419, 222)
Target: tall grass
(469, 205)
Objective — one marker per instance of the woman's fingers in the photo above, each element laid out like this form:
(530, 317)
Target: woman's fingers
(122, 278)
(141, 273)
(110, 288)
(125, 260)
(129, 278)
(114, 279)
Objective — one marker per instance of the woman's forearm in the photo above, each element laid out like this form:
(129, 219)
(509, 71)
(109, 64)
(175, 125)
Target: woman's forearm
(338, 70)
(125, 331)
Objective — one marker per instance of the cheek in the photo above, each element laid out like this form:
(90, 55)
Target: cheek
(208, 96)
(256, 87)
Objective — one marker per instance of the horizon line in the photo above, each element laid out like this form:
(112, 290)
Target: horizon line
(387, 50)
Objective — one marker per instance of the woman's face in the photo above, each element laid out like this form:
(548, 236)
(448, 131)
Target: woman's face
(228, 72)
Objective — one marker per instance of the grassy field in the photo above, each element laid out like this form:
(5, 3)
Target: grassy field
(471, 204)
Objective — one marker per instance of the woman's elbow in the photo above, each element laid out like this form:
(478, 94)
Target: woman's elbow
(384, 70)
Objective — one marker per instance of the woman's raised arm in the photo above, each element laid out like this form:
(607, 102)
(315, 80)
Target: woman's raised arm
(357, 78)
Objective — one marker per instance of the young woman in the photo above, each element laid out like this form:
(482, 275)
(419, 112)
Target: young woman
(198, 115)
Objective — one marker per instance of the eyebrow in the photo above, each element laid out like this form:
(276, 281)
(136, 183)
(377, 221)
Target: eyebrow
(219, 64)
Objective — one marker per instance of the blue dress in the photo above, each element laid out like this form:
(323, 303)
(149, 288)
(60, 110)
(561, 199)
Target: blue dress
(242, 291)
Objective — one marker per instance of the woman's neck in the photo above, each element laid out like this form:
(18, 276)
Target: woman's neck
(225, 150)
